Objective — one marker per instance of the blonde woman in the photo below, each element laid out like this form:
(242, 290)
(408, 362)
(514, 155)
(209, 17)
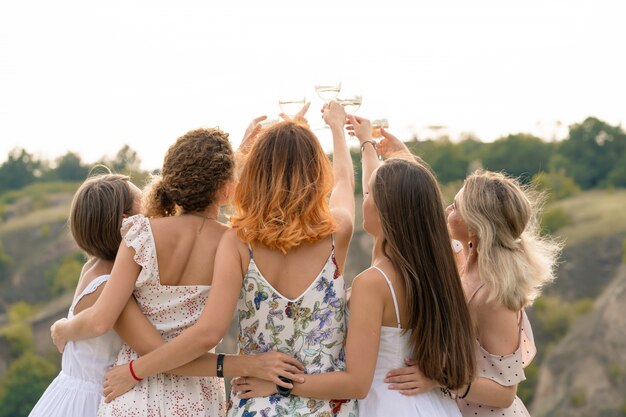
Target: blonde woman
(508, 262)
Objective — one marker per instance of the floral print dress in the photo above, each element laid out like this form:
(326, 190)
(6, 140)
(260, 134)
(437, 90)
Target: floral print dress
(312, 328)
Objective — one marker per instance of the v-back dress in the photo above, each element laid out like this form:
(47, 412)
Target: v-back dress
(312, 328)
(77, 390)
(380, 401)
(171, 309)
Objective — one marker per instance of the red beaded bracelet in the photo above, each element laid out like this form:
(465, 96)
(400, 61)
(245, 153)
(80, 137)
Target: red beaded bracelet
(130, 366)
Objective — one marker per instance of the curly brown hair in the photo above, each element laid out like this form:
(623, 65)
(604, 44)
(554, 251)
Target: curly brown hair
(194, 168)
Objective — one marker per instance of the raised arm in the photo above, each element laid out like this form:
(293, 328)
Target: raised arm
(101, 317)
(342, 195)
(362, 129)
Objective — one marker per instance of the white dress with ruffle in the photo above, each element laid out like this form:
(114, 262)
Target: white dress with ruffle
(77, 390)
(171, 309)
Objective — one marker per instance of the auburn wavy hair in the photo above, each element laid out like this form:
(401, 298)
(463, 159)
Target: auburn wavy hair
(281, 199)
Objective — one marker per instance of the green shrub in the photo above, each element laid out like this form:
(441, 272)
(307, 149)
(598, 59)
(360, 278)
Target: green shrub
(65, 275)
(555, 315)
(554, 219)
(556, 184)
(579, 398)
(23, 383)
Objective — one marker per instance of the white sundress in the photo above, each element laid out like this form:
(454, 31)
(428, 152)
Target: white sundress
(171, 309)
(381, 401)
(77, 390)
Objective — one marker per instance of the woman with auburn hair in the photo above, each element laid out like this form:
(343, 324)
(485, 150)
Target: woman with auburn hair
(410, 303)
(280, 267)
(165, 263)
(508, 262)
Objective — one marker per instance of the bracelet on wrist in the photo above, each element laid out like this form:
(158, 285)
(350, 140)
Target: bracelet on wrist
(371, 142)
(220, 365)
(466, 391)
(284, 392)
(132, 372)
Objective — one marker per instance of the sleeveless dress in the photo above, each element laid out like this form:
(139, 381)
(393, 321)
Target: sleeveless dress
(312, 328)
(171, 309)
(381, 401)
(77, 390)
(506, 370)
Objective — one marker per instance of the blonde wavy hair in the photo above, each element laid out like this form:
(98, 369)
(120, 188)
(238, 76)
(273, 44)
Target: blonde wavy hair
(281, 199)
(514, 260)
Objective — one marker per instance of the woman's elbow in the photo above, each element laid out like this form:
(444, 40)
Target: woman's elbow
(361, 391)
(506, 400)
(207, 340)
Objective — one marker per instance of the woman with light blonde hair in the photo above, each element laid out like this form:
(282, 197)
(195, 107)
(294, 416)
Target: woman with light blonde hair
(508, 262)
(279, 268)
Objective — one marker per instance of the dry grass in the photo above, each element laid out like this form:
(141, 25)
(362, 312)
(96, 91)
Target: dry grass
(597, 213)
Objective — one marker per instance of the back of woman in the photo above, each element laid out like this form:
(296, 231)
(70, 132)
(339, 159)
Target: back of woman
(175, 245)
(292, 244)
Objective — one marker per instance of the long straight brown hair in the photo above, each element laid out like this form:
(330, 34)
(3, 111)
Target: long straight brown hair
(417, 242)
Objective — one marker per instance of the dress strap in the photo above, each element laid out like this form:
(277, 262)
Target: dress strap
(393, 295)
(475, 291)
(90, 288)
(250, 251)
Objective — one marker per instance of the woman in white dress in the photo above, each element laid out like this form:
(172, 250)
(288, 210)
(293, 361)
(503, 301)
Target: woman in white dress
(96, 215)
(408, 304)
(166, 263)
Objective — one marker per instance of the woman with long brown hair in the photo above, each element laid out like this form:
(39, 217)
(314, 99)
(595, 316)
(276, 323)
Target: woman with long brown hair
(508, 262)
(408, 304)
(280, 267)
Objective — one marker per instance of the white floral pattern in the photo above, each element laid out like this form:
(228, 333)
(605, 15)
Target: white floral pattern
(312, 328)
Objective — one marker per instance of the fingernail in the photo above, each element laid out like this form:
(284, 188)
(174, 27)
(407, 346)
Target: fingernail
(386, 379)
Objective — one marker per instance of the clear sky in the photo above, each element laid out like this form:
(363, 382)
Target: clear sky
(90, 76)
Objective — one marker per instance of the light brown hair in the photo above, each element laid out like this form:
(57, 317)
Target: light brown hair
(417, 242)
(514, 260)
(281, 199)
(194, 169)
(96, 214)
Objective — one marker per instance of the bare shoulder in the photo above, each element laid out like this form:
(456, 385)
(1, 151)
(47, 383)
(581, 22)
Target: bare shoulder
(370, 281)
(498, 327)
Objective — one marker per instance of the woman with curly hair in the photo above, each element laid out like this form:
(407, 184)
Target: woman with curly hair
(279, 267)
(165, 261)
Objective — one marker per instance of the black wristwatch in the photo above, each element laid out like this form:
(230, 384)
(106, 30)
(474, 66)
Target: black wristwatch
(285, 392)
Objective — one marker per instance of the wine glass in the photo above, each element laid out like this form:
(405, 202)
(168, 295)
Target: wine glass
(328, 90)
(377, 125)
(291, 106)
(351, 103)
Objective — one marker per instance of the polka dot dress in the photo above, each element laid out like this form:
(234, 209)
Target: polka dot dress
(506, 370)
(171, 309)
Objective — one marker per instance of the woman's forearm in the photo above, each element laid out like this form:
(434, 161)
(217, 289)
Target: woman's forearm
(333, 385)
(487, 392)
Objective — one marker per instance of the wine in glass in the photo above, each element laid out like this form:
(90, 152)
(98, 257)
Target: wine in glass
(351, 104)
(291, 106)
(328, 91)
(377, 125)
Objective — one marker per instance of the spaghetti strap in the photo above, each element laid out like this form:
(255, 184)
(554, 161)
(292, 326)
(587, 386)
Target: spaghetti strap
(475, 291)
(89, 289)
(250, 251)
(393, 295)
